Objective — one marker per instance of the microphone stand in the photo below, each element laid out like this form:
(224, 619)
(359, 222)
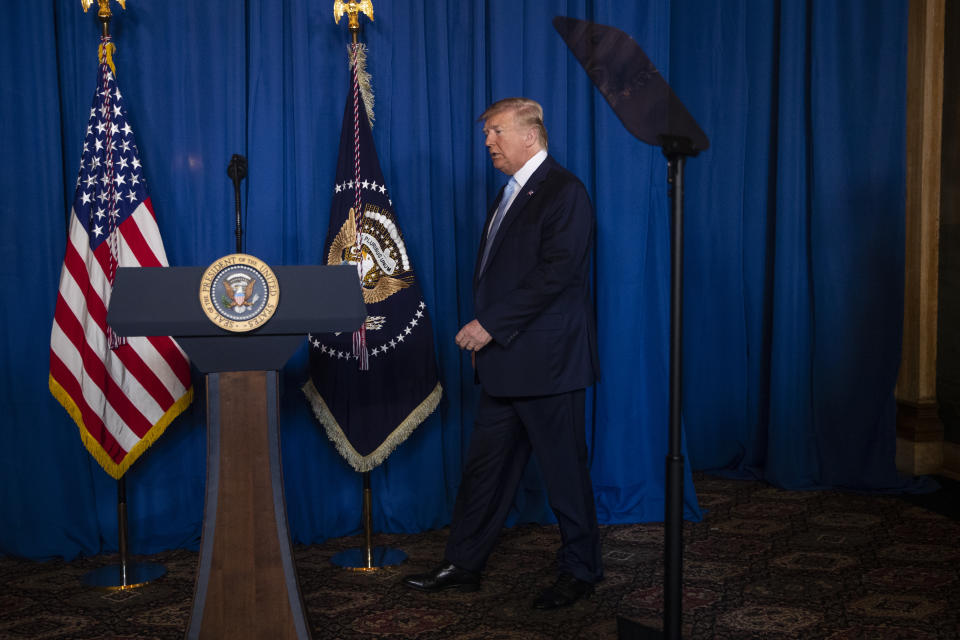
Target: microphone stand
(237, 170)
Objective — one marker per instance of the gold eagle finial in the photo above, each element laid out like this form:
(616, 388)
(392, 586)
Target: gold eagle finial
(353, 11)
(104, 11)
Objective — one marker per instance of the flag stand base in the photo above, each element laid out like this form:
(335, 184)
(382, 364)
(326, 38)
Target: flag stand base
(119, 576)
(369, 558)
(126, 575)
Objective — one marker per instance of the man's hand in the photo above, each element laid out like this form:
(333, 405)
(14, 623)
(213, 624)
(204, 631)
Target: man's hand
(473, 336)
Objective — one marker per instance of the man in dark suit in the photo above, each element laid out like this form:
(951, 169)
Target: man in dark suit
(533, 346)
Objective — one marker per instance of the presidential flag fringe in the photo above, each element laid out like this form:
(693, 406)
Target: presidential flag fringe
(370, 461)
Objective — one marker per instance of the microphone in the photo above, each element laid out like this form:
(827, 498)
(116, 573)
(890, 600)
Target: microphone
(237, 170)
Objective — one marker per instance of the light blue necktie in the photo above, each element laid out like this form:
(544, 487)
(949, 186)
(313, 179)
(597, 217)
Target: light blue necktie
(508, 192)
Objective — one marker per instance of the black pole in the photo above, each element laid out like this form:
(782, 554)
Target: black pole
(673, 534)
(237, 170)
(122, 527)
(367, 520)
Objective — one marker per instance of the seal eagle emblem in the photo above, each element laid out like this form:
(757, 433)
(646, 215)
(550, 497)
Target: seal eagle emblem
(239, 292)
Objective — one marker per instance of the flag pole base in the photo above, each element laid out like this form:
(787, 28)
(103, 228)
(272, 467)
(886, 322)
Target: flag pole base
(369, 559)
(118, 577)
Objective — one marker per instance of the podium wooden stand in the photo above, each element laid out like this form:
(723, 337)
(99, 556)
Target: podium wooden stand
(246, 585)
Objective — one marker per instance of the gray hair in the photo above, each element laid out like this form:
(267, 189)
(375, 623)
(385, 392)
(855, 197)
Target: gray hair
(527, 112)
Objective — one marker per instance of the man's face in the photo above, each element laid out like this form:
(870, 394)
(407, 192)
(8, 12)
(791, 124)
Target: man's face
(510, 144)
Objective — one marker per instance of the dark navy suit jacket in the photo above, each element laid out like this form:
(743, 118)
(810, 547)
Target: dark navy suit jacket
(533, 296)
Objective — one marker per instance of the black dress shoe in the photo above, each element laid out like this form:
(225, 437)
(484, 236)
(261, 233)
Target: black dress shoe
(564, 592)
(448, 576)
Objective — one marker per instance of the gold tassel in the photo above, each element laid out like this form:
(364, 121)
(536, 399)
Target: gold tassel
(106, 52)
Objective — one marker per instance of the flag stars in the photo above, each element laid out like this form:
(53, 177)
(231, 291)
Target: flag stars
(120, 179)
(337, 188)
(383, 188)
(131, 196)
(99, 213)
(98, 231)
(116, 110)
(91, 180)
(98, 144)
(123, 163)
(126, 129)
(365, 184)
(85, 198)
(136, 163)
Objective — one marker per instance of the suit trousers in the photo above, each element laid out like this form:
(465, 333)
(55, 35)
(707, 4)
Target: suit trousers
(504, 434)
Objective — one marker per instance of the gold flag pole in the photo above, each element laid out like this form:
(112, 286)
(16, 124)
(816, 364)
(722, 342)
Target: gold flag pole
(368, 558)
(125, 575)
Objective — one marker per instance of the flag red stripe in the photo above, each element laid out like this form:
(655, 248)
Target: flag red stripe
(77, 267)
(91, 421)
(138, 244)
(151, 383)
(170, 351)
(98, 312)
(102, 256)
(97, 372)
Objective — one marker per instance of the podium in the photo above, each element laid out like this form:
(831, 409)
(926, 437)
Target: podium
(246, 586)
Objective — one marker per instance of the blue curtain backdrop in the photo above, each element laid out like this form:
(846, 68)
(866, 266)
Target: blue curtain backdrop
(793, 258)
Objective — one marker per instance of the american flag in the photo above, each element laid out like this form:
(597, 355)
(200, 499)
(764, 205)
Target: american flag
(121, 392)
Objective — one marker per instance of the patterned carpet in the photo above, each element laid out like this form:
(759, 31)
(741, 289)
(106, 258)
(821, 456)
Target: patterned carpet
(764, 563)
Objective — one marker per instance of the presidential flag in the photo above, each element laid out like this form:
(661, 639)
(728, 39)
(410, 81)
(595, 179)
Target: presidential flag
(371, 388)
(121, 392)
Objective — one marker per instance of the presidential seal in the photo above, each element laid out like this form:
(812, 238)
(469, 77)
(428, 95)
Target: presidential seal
(239, 292)
(381, 254)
